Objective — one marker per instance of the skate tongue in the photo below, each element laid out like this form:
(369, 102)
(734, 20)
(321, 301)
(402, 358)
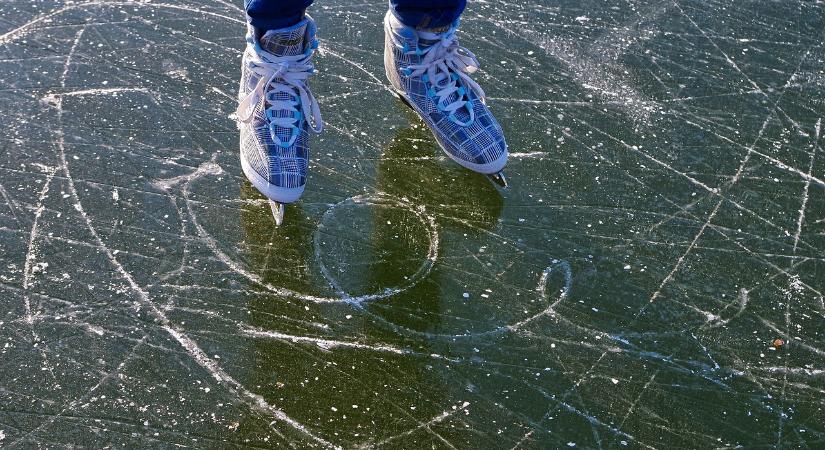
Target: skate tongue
(287, 41)
(438, 30)
(427, 38)
(430, 37)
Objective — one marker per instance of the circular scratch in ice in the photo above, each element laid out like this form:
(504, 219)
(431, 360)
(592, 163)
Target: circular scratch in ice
(382, 200)
(541, 290)
(343, 297)
(212, 168)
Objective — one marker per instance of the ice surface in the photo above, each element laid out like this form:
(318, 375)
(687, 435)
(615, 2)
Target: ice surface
(664, 225)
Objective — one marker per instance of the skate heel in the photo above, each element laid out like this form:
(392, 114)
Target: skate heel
(403, 99)
(499, 179)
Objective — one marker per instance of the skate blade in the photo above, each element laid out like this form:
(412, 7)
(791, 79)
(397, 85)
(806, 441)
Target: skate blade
(277, 211)
(403, 100)
(499, 179)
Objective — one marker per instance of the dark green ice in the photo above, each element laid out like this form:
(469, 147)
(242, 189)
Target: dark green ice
(664, 227)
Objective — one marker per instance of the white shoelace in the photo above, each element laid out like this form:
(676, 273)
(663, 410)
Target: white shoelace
(286, 74)
(443, 58)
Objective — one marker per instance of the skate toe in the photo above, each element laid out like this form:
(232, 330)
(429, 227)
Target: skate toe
(273, 188)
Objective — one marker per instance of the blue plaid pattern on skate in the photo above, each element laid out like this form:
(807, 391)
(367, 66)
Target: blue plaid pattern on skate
(479, 143)
(282, 166)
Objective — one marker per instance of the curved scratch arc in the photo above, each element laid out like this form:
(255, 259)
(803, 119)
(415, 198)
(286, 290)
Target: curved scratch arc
(193, 350)
(343, 297)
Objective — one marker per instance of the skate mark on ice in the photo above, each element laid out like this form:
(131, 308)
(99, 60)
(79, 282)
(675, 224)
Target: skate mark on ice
(223, 378)
(564, 292)
(342, 297)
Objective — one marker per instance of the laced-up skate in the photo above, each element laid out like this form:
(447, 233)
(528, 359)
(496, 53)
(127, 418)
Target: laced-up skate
(277, 112)
(430, 72)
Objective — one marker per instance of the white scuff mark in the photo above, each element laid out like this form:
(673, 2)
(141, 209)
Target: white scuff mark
(567, 271)
(805, 190)
(326, 344)
(30, 267)
(806, 371)
(461, 407)
(53, 98)
(715, 320)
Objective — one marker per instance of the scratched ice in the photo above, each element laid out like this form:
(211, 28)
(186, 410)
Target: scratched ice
(665, 224)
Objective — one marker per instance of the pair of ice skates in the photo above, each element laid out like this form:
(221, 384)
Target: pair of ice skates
(427, 69)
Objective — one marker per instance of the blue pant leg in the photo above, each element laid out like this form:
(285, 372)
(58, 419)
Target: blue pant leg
(265, 15)
(427, 13)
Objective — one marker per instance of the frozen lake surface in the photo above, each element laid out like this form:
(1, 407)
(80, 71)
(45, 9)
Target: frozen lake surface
(665, 225)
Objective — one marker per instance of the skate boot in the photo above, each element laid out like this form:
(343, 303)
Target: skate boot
(277, 112)
(431, 74)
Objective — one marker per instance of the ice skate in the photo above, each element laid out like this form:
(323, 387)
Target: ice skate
(430, 73)
(277, 112)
